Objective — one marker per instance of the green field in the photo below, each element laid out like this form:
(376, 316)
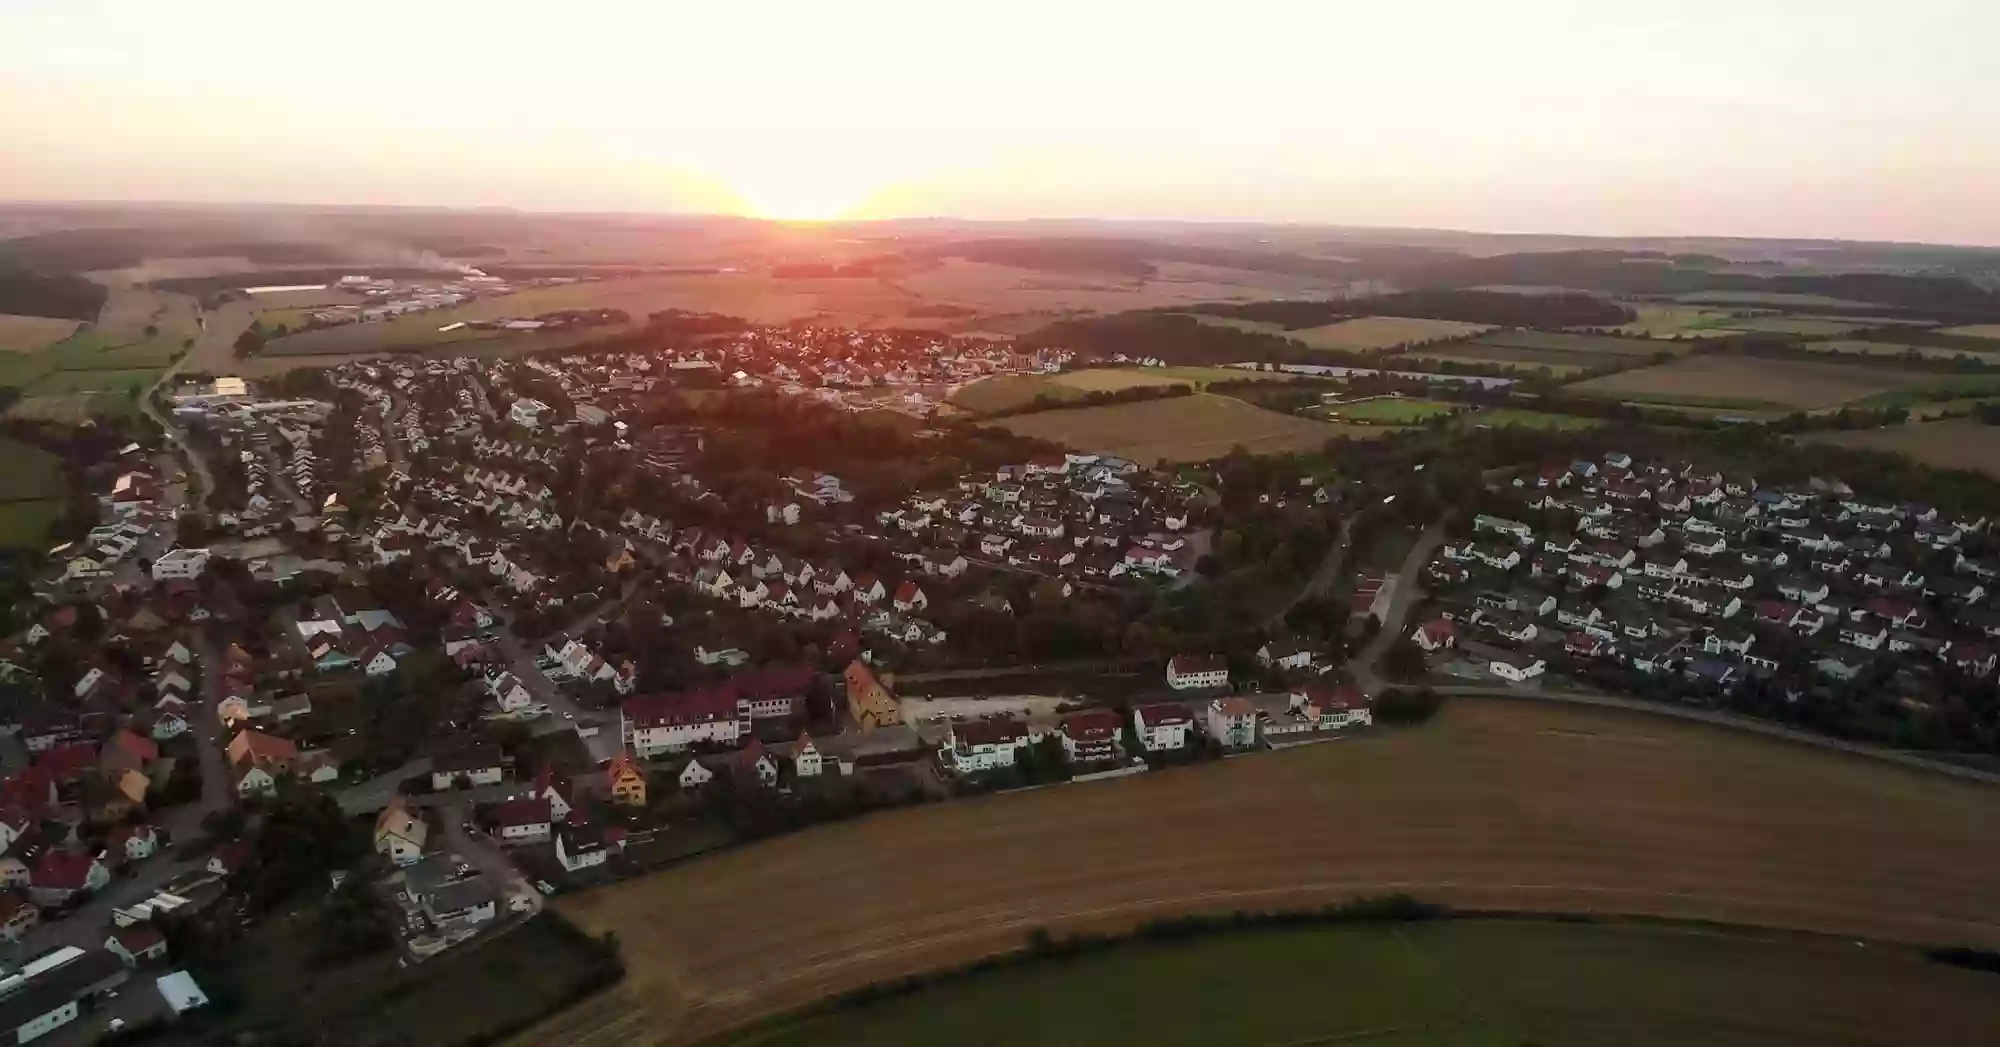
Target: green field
(1683, 321)
(31, 487)
(1809, 326)
(1391, 411)
(1593, 344)
(1463, 983)
(1509, 417)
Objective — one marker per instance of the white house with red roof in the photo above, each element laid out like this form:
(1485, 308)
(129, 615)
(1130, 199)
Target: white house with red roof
(1436, 635)
(984, 745)
(59, 876)
(660, 723)
(525, 819)
(1090, 735)
(1162, 726)
(137, 944)
(1194, 672)
(1232, 721)
(909, 598)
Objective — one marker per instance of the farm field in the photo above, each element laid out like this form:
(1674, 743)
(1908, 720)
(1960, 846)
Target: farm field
(1466, 982)
(1809, 326)
(1369, 333)
(1803, 301)
(1976, 331)
(1957, 443)
(1684, 321)
(1391, 410)
(1500, 805)
(1559, 364)
(1859, 347)
(1504, 417)
(31, 487)
(1234, 323)
(1008, 391)
(1181, 429)
(25, 334)
(100, 365)
(1751, 382)
(1593, 344)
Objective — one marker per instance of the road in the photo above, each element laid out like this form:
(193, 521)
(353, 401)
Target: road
(1322, 578)
(166, 424)
(1408, 591)
(484, 854)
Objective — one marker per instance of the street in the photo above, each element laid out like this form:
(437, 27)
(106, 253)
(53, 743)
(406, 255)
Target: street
(1408, 592)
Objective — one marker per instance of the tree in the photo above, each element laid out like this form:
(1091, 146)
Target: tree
(1404, 660)
(354, 922)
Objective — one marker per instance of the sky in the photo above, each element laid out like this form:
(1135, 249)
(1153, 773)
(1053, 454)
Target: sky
(1859, 119)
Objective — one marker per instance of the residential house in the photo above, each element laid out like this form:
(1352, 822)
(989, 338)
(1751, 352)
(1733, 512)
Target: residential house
(1435, 635)
(1232, 722)
(1188, 672)
(1090, 735)
(524, 819)
(1162, 726)
(137, 944)
(626, 781)
(1518, 668)
(466, 764)
(869, 700)
(400, 833)
(974, 746)
(580, 847)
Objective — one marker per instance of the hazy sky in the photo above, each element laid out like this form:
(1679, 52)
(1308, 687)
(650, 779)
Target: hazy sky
(1850, 118)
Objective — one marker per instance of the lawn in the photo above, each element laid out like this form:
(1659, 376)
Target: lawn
(1369, 333)
(25, 334)
(1955, 443)
(1497, 805)
(1181, 429)
(1391, 410)
(473, 994)
(1505, 417)
(1472, 983)
(1750, 382)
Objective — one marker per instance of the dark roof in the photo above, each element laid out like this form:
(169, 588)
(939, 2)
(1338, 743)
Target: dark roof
(988, 732)
(466, 756)
(54, 988)
(462, 895)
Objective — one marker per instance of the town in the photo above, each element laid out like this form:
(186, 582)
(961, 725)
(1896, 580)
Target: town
(555, 621)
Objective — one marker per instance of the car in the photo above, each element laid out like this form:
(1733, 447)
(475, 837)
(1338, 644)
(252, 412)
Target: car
(569, 716)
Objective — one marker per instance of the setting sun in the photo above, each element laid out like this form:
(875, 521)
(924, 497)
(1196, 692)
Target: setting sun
(801, 195)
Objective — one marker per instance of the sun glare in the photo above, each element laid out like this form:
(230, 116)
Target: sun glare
(801, 196)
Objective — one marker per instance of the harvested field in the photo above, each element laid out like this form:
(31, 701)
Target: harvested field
(1957, 443)
(1505, 417)
(119, 381)
(1809, 326)
(1181, 429)
(1006, 392)
(1857, 347)
(1370, 333)
(1751, 382)
(1592, 344)
(1975, 331)
(25, 334)
(1463, 982)
(1494, 804)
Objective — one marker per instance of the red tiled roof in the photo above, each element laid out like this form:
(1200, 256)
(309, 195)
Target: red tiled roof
(988, 732)
(1196, 664)
(62, 870)
(1163, 714)
(528, 810)
(1091, 724)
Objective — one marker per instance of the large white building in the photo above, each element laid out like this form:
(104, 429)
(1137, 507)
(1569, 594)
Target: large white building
(180, 564)
(984, 745)
(662, 723)
(528, 412)
(1162, 727)
(1188, 672)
